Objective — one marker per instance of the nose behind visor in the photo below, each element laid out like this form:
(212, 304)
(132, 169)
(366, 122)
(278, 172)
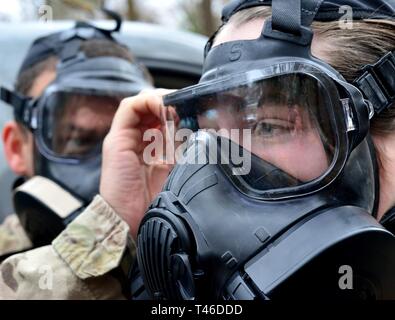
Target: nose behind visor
(74, 124)
(242, 166)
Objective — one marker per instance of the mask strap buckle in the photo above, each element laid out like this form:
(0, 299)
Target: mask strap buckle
(377, 83)
(304, 37)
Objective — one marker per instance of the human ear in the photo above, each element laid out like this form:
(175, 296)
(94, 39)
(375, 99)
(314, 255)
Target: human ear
(18, 148)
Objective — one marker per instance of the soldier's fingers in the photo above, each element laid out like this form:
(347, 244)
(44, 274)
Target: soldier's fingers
(143, 109)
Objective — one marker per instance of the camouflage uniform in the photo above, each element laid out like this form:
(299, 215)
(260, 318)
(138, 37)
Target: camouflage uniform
(76, 265)
(13, 237)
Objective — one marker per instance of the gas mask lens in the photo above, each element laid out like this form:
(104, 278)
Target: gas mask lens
(73, 125)
(286, 122)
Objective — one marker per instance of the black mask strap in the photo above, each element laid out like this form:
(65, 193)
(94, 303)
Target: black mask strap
(309, 11)
(290, 19)
(377, 82)
(22, 106)
(237, 5)
(286, 16)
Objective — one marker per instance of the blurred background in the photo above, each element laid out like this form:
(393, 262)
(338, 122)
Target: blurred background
(200, 16)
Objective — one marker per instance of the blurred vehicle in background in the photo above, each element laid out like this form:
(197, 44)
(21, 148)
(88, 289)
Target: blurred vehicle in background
(173, 57)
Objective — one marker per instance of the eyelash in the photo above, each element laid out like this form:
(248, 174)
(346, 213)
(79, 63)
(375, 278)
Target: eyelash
(285, 129)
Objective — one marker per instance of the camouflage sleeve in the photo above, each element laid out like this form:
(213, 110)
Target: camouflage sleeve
(12, 236)
(76, 265)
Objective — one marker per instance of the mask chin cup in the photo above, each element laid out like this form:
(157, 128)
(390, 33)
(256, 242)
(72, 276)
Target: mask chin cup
(342, 253)
(44, 209)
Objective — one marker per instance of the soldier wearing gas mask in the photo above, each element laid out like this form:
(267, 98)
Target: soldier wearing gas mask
(68, 89)
(304, 203)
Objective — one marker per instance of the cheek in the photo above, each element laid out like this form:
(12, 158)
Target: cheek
(310, 161)
(304, 158)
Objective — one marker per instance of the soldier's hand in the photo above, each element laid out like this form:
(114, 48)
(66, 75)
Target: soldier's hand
(127, 183)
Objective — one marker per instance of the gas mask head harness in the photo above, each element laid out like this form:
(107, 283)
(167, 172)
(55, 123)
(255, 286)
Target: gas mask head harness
(303, 210)
(70, 119)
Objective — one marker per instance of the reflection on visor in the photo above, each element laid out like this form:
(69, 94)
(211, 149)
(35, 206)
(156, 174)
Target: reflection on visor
(74, 125)
(289, 119)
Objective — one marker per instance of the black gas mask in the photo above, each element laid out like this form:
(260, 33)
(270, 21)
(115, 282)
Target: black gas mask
(299, 208)
(69, 122)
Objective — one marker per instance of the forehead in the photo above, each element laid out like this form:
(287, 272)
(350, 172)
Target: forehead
(247, 31)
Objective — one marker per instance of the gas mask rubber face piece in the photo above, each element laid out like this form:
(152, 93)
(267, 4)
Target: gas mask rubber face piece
(71, 120)
(283, 206)
(73, 117)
